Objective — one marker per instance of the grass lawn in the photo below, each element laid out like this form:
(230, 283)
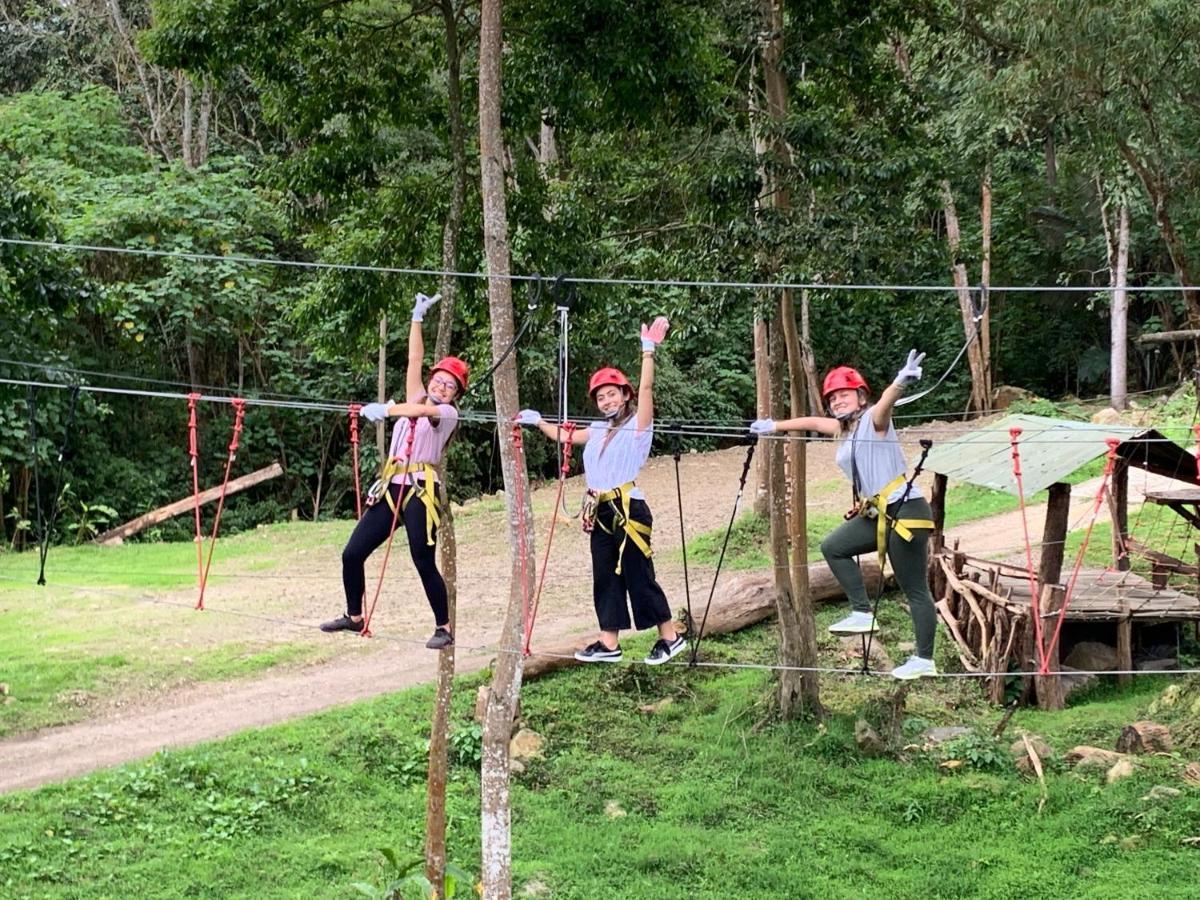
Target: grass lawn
(707, 798)
(66, 648)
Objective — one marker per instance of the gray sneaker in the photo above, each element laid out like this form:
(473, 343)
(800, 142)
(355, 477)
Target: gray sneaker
(441, 640)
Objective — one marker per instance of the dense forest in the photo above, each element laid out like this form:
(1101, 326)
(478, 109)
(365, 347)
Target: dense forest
(345, 134)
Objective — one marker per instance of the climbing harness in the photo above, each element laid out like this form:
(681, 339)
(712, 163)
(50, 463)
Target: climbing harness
(638, 532)
(422, 487)
(724, 545)
(889, 524)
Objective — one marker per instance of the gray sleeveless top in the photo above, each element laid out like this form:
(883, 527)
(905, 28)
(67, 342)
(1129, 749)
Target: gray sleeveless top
(877, 460)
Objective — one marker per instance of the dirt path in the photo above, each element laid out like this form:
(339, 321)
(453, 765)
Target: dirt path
(310, 592)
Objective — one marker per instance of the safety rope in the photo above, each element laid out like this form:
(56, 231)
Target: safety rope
(1034, 602)
(1110, 459)
(979, 304)
(59, 485)
(568, 429)
(724, 544)
(676, 452)
(194, 453)
(354, 460)
(31, 405)
(239, 413)
(399, 505)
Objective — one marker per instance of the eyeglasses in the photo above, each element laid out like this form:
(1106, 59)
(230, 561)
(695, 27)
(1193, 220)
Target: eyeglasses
(446, 383)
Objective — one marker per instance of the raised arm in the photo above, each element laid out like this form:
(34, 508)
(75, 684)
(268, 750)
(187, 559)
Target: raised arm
(910, 373)
(652, 336)
(414, 386)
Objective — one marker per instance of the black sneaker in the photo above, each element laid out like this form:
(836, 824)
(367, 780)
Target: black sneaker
(664, 650)
(597, 652)
(344, 623)
(440, 640)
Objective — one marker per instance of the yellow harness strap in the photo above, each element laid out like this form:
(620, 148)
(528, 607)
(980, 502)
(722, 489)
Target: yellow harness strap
(902, 527)
(425, 491)
(634, 531)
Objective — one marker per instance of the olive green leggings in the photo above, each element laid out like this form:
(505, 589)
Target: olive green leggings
(908, 559)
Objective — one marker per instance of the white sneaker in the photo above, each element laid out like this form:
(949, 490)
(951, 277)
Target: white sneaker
(916, 667)
(855, 623)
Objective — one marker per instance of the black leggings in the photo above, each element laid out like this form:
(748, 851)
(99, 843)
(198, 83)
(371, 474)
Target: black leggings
(372, 530)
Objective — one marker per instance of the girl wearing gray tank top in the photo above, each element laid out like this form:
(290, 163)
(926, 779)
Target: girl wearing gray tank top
(870, 455)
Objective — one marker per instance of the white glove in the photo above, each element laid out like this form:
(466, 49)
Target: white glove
(911, 373)
(375, 412)
(422, 305)
(762, 426)
(529, 417)
(653, 334)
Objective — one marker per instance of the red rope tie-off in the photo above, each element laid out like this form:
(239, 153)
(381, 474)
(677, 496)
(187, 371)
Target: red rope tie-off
(1034, 604)
(568, 430)
(354, 409)
(239, 413)
(519, 501)
(194, 452)
(1110, 462)
(387, 553)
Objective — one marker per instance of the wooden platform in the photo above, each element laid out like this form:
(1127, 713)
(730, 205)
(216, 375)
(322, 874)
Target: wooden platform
(1102, 595)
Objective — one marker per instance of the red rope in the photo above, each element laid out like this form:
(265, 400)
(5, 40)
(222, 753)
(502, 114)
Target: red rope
(239, 413)
(1034, 605)
(1111, 459)
(194, 452)
(387, 553)
(519, 500)
(354, 408)
(569, 429)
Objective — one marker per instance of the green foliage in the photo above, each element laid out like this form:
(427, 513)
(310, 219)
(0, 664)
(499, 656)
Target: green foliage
(408, 880)
(977, 751)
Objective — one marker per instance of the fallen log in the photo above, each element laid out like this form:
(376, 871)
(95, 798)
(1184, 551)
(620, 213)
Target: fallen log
(118, 534)
(744, 600)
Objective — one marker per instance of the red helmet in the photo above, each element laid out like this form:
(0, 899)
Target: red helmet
(456, 369)
(843, 378)
(605, 376)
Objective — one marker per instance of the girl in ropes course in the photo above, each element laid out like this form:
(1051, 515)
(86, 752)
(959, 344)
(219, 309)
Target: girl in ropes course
(615, 510)
(426, 421)
(889, 510)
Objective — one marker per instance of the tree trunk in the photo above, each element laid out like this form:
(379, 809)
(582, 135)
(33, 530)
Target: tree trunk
(505, 690)
(798, 691)
(439, 763)
(814, 406)
(985, 280)
(1160, 198)
(762, 410)
(979, 397)
(1119, 267)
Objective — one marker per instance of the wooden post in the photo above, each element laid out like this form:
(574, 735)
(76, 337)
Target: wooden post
(1125, 646)
(1049, 687)
(1054, 535)
(937, 503)
(1118, 507)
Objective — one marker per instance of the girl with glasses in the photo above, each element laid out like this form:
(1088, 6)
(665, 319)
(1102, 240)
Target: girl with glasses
(409, 484)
